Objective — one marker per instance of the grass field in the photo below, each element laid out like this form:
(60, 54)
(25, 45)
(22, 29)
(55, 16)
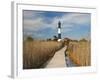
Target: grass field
(37, 53)
(80, 53)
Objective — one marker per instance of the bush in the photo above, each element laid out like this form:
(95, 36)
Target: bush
(29, 38)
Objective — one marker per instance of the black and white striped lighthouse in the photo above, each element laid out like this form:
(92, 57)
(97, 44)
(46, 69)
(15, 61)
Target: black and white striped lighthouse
(59, 31)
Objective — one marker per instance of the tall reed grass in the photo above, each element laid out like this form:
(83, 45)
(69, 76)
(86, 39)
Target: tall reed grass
(37, 53)
(80, 53)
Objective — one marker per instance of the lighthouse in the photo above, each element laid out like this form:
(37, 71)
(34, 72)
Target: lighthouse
(59, 31)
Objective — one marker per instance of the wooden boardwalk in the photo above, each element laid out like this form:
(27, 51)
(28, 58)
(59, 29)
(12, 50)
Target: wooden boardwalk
(58, 59)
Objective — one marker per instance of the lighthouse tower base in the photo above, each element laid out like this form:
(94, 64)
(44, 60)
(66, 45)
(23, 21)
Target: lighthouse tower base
(59, 40)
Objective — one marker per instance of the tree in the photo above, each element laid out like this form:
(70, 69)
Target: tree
(49, 39)
(29, 38)
(83, 40)
(55, 38)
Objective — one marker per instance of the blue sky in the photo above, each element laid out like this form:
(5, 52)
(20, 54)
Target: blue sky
(43, 24)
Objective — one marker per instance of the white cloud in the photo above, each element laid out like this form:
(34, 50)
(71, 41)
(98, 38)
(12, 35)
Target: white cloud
(67, 20)
(33, 23)
(77, 18)
(28, 14)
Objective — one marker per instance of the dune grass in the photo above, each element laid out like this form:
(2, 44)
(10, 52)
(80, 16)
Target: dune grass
(80, 53)
(37, 53)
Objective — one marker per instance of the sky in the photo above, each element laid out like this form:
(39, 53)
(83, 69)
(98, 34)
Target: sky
(44, 24)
